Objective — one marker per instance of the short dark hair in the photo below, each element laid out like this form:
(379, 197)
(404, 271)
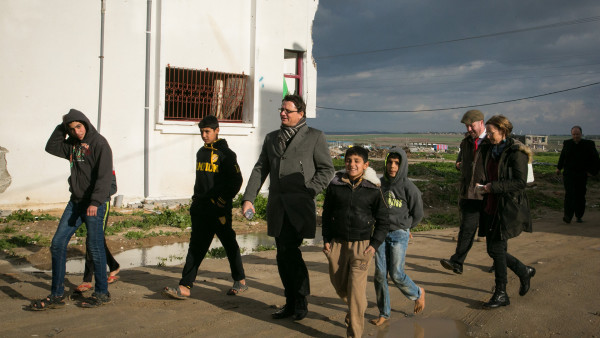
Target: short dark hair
(359, 151)
(209, 121)
(394, 155)
(578, 127)
(297, 101)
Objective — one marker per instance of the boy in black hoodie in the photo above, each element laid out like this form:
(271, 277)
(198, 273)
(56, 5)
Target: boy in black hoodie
(218, 180)
(355, 223)
(406, 211)
(91, 163)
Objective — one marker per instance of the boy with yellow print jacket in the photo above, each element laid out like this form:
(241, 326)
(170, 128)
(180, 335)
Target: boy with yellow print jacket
(218, 180)
(406, 211)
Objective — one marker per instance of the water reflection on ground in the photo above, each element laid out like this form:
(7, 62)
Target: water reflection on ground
(423, 327)
(174, 254)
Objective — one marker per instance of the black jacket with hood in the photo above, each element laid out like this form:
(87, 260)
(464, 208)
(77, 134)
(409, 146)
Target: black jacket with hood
(218, 178)
(90, 159)
(355, 213)
(512, 214)
(403, 197)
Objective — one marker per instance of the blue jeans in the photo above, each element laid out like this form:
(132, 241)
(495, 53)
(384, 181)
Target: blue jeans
(72, 218)
(390, 259)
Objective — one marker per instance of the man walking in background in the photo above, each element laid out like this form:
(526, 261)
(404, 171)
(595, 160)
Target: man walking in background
(578, 160)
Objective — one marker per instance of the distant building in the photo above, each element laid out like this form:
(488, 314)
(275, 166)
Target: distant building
(535, 142)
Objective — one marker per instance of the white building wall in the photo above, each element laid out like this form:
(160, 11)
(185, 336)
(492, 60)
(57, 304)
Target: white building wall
(50, 63)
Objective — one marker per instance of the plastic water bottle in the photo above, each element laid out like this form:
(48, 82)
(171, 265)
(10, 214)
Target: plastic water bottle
(249, 214)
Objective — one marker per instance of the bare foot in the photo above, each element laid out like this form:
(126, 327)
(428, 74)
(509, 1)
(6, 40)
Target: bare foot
(420, 303)
(184, 291)
(377, 321)
(115, 272)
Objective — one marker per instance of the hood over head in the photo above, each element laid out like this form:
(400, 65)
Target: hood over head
(76, 115)
(403, 170)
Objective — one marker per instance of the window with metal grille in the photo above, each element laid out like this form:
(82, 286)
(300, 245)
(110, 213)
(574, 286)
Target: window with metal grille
(192, 94)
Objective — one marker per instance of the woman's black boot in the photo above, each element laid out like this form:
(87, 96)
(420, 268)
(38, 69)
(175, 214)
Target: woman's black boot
(500, 298)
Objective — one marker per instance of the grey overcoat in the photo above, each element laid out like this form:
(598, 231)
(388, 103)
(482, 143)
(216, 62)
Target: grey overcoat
(296, 176)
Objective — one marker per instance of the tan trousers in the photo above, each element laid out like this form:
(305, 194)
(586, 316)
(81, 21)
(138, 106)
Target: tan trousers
(348, 271)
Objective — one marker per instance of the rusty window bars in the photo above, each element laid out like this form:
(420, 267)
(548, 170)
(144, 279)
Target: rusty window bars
(192, 94)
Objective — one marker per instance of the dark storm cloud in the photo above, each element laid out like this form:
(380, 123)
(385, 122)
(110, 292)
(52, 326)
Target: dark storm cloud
(392, 55)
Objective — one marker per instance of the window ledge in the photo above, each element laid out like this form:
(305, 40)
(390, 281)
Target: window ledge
(188, 127)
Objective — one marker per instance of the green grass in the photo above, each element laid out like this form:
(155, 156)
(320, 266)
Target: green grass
(8, 230)
(539, 199)
(218, 252)
(261, 247)
(134, 235)
(448, 219)
(27, 216)
(441, 170)
(177, 218)
(425, 227)
(23, 241)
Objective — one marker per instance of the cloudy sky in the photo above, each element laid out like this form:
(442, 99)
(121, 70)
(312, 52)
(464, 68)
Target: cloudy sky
(402, 58)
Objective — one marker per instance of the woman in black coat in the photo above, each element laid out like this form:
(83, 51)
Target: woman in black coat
(506, 207)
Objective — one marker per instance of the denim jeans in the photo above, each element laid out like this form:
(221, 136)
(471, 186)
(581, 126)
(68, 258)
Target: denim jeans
(72, 218)
(390, 259)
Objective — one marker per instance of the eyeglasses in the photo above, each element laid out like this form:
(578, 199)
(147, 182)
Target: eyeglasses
(281, 110)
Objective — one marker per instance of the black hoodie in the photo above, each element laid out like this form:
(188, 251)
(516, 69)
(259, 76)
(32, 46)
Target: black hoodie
(90, 159)
(218, 178)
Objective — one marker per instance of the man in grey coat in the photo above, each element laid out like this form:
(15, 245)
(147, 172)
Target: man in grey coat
(297, 159)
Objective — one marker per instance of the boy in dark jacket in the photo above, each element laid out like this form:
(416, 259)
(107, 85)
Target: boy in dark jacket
(91, 163)
(218, 180)
(406, 211)
(355, 223)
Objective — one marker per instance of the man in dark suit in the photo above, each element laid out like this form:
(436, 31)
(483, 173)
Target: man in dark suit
(579, 159)
(297, 159)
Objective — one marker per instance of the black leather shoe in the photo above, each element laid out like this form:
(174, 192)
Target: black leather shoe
(566, 220)
(301, 308)
(449, 265)
(299, 314)
(579, 220)
(525, 282)
(500, 298)
(284, 312)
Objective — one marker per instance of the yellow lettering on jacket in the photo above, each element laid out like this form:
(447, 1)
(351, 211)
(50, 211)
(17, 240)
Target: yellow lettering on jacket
(209, 167)
(394, 202)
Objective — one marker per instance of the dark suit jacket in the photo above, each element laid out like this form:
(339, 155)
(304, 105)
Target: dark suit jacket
(579, 159)
(297, 175)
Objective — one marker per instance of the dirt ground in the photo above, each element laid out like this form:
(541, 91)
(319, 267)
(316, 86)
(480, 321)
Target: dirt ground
(563, 301)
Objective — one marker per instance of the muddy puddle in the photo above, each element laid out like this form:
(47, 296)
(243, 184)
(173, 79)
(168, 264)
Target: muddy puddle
(423, 327)
(174, 254)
